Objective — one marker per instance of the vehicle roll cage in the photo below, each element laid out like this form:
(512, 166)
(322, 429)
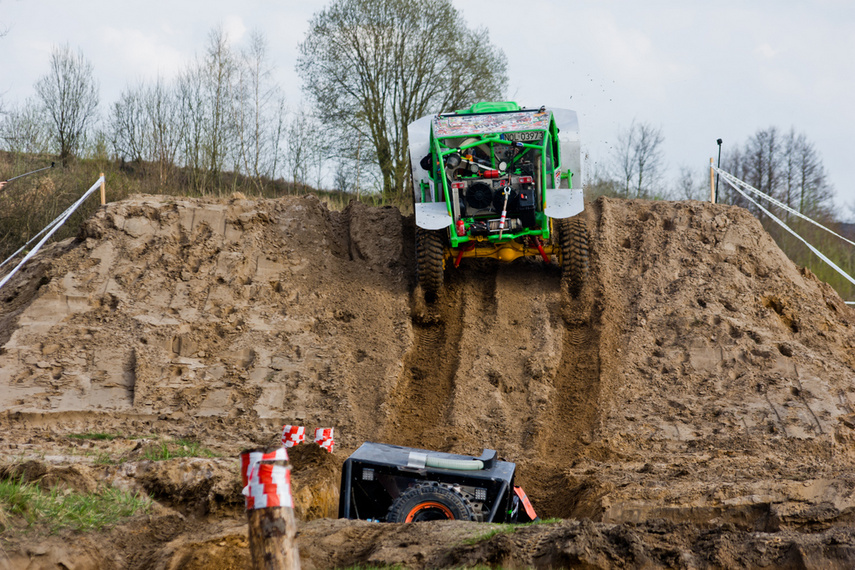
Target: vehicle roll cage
(550, 162)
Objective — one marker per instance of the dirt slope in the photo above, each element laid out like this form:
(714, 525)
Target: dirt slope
(700, 378)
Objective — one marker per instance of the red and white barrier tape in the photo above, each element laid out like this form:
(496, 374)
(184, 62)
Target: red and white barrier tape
(292, 435)
(266, 484)
(324, 438)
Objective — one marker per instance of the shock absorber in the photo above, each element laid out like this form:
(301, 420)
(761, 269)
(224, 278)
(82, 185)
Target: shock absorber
(504, 211)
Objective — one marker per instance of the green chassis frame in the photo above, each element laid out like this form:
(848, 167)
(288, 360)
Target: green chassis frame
(549, 144)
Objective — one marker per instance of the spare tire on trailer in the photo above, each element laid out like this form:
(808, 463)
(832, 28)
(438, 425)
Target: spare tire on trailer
(573, 237)
(430, 262)
(430, 501)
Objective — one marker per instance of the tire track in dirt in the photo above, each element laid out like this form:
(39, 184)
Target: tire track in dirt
(504, 359)
(572, 419)
(510, 346)
(568, 423)
(421, 398)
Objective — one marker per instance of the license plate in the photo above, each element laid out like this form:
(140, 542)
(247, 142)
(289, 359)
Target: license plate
(524, 137)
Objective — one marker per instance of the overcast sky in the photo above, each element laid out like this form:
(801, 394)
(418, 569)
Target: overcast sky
(699, 70)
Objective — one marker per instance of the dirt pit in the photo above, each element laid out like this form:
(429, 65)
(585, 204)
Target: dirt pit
(694, 407)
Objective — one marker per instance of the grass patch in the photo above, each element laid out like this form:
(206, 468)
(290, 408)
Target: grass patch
(67, 509)
(498, 529)
(359, 567)
(105, 459)
(502, 528)
(178, 448)
(95, 436)
(542, 521)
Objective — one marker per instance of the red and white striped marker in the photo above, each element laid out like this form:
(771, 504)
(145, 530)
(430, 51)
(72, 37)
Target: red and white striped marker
(266, 479)
(292, 435)
(324, 438)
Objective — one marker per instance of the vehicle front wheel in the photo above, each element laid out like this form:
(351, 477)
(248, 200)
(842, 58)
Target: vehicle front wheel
(573, 236)
(430, 262)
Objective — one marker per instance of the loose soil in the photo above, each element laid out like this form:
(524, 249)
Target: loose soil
(693, 407)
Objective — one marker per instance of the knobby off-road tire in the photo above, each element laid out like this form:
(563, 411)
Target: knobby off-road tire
(431, 501)
(429, 260)
(573, 236)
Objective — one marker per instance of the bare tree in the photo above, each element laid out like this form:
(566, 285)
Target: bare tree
(219, 74)
(24, 129)
(164, 125)
(787, 168)
(69, 93)
(205, 93)
(193, 115)
(261, 113)
(691, 186)
(638, 160)
(300, 132)
(373, 66)
(128, 124)
(805, 178)
(763, 160)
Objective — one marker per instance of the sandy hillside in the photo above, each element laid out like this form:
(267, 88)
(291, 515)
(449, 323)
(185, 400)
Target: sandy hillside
(694, 407)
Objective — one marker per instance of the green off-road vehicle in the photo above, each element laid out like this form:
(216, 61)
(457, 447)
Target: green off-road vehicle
(498, 181)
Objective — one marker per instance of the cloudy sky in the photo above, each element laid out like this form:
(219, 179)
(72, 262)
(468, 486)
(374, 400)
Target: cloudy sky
(699, 70)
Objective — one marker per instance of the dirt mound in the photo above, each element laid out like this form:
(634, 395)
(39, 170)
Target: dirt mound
(316, 476)
(700, 377)
(47, 476)
(570, 544)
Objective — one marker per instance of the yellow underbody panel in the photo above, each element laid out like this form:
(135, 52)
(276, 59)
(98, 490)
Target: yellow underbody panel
(505, 252)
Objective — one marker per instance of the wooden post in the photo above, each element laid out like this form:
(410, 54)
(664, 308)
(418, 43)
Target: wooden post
(104, 190)
(712, 182)
(266, 476)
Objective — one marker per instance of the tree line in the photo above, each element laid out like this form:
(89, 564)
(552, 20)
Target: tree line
(784, 165)
(369, 68)
(222, 113)
(787, 167)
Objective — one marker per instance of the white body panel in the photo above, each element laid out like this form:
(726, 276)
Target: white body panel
(571, 145)
(429, 215)
(418, 133)
(564, 203)
(432, 215)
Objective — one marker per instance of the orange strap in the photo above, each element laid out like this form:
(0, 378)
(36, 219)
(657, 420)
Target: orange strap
(529, 510)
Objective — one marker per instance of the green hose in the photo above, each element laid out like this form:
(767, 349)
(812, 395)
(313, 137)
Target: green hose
(458, 464)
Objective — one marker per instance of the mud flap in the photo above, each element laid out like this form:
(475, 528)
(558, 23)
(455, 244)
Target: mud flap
(432, 215)
(564, 203)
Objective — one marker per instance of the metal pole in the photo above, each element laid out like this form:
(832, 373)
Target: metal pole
(718, 142)
(28, 173)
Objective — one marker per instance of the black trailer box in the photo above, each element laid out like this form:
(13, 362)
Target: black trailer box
(389, 483)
